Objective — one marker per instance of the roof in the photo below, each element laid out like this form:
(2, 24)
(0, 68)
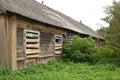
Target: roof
(37, 11)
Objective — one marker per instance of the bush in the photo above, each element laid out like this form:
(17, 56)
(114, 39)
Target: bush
(80, 49)
(104, 55)
(84, 50)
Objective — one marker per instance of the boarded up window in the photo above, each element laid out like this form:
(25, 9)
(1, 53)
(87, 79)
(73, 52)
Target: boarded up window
(58, 44)
(32, 46)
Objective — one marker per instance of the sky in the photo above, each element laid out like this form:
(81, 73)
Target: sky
(89, 12)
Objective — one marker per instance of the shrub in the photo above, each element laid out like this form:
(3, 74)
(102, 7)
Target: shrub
(83, 49)
(79, 50)
(104, 55)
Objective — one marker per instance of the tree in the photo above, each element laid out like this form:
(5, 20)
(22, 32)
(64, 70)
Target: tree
(113, 31)
(102, 31)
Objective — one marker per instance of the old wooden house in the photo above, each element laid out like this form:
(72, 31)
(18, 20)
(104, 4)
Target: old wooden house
(32, 33)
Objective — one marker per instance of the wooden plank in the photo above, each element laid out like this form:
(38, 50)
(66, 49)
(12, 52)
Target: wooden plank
(31, 40)
(31, 35)
(3, 46)
(33, 45)
(7, 39)
(59, 38)
(58, 52)
(13, 25)
(32, 51)
(58, 45)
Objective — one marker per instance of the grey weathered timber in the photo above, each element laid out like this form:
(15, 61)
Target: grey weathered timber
(3, 54)
(13, 26)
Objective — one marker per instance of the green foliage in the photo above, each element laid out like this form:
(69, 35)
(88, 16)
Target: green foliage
(104, 55)
(80, 49)
(103, 32)
(84, 50)
(106, 52)
(5, 71)
(64, 71)
(113, 31)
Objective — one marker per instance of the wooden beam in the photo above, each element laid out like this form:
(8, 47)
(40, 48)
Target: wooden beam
(58, 52)
(32, 40)
(7, 38)
(32, 51)
(13, 26)
(32, 56)
(31, 35)
(3, 53)
(60, 45)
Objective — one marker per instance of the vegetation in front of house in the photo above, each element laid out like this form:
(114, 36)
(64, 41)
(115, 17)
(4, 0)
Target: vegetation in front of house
(78, 65)
(84, 50)
(63, 71)
(79, 50)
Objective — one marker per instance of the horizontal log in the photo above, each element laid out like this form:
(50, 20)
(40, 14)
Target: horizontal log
(32, 51)
(32, 56)
(47, 55)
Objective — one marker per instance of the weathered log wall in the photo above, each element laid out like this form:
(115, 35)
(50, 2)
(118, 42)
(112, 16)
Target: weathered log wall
(46, 42)
(14, 50)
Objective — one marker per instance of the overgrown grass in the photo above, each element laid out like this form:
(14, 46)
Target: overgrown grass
(63, 71)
